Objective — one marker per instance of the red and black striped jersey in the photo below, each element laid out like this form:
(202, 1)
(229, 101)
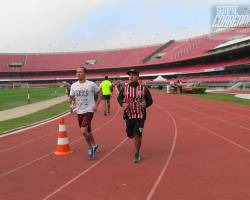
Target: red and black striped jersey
(134, 95)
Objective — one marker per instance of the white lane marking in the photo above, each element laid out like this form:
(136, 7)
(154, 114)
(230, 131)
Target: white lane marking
(83, 172)
(166, 164)
(209, 131)
(222, 110)
(27, 142)
(33, 126)
(35, 139)
(25, 165)
(217, 135)
(52, 153)
(212, 117)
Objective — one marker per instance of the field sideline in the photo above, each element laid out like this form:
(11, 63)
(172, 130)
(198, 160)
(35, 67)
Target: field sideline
(8, 125)
(15, 97)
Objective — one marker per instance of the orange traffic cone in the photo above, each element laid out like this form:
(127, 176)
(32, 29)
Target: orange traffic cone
(62, 147)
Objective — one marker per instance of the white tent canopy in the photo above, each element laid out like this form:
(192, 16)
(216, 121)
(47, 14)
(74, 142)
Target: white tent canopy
(159, 78)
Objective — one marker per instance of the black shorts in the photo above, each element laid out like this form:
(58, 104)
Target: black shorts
(85, 119)
(134, 127)
(106, 97)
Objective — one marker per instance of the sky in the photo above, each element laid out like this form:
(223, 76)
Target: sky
(37, 26)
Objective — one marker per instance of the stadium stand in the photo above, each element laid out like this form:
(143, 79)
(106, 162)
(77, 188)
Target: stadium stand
(11, 62)
(57, 61)
(221, 56)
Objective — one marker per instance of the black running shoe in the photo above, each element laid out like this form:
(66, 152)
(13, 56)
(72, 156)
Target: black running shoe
(137, 158)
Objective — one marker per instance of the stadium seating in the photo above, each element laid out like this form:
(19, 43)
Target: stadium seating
(7, 59)
(64, 64)
(58, 61)
(195, 47)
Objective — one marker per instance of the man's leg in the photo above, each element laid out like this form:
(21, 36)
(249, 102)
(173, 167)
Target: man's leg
(138, 141)
(92, 139)
(94, 145)
(88, 137)
(85, 133)
(105, 106)
(84, 121)
(138, 129)
(108, 103)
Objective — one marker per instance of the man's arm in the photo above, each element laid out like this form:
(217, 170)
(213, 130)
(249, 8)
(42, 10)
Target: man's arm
(98, 100)
(121, 100)
(71, 101)
(71, 98)
(120, 97)
(111, 87)
(148, 98)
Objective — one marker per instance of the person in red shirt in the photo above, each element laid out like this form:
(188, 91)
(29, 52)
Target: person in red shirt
(134, 98)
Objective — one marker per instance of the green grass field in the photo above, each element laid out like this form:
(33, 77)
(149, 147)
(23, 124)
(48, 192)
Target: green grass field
(17, 97)
(34, 117)
(11, 98)
(224, 97)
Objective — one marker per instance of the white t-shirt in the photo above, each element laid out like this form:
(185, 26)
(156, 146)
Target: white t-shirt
(84, 96)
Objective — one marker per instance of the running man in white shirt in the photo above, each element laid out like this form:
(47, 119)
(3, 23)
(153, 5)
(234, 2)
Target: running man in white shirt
(82, 95)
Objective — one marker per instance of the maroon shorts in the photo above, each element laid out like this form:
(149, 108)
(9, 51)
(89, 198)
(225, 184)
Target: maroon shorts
(85, 119)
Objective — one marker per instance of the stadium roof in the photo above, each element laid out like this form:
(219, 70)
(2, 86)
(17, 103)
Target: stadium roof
(232, 42)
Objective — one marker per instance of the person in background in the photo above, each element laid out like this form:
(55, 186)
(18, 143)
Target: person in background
(118, 87)
(82, 95)
(134, 99)
(173, 87)
(68, 85)
(180, 84)
(106, 89)
(96, 95)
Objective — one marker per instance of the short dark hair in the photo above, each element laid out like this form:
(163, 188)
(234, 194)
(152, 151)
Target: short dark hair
(84, 69)
(106, 77)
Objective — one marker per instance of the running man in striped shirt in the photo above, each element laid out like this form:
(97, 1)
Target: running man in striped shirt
(134, 99)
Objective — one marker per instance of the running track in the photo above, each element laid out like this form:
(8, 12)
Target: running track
(193, 149)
